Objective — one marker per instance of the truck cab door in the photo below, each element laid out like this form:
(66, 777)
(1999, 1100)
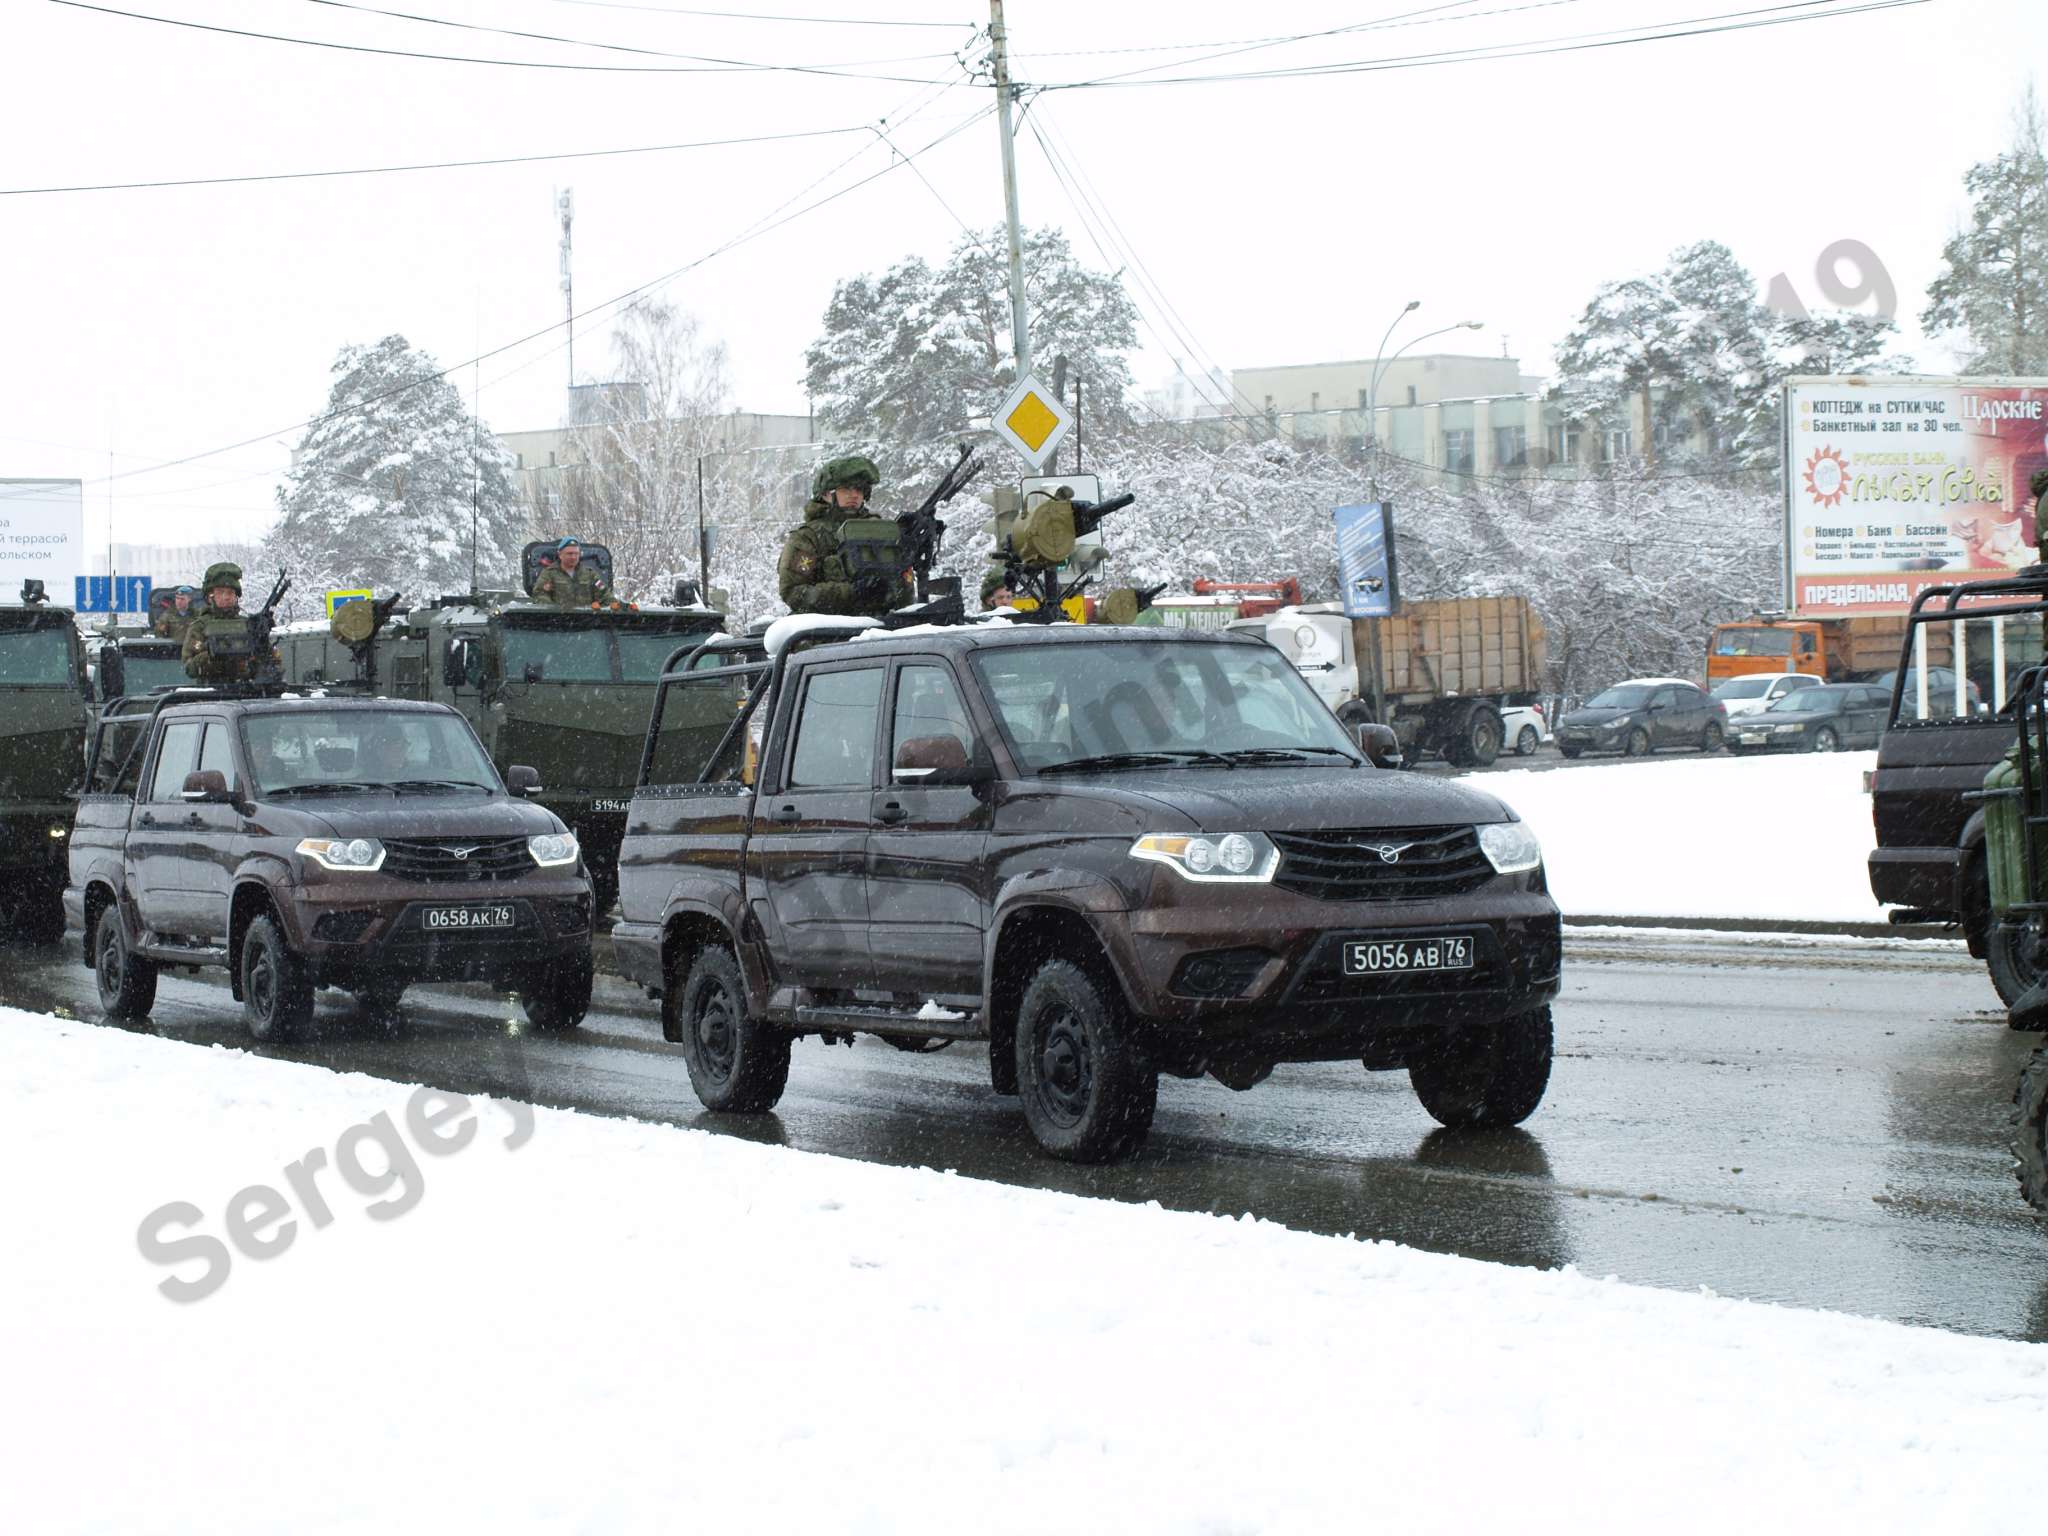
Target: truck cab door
(207, 871)
(927, 872)
(162, 832)
(807, 851)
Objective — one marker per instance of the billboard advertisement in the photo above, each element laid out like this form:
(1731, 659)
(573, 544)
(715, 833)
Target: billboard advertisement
(1893, 485)
(42, 535)
(1366, 578)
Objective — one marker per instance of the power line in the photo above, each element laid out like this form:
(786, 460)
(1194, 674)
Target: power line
(1363, 26)
(712, 67)
(822, 21)
(1727, 21)
(611, 303)
(437, 165)
(577, 42)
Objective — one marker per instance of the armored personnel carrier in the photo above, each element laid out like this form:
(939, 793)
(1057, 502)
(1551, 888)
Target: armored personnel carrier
(45, 714)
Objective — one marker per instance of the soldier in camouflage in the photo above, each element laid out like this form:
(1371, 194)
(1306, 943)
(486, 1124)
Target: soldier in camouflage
(172, 622)
(569, 583)
(813, 574)
(222, 615)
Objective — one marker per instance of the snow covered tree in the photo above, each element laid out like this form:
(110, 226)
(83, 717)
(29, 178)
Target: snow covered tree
(1697, 339)
(1838, 341)
(1994, 286)
(911, 359)
(390, 481)
(632, 483)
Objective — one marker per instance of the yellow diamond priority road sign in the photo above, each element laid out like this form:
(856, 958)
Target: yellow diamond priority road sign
(1032, 420)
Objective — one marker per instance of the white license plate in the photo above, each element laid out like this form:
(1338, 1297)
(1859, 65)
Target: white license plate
(465, 918)
(608, 805)
(1374, 957)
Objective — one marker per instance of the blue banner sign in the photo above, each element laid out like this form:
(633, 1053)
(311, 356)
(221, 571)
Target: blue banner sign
(1366, 579)
(111, 594)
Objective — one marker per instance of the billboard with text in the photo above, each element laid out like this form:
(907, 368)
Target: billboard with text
(42, 535)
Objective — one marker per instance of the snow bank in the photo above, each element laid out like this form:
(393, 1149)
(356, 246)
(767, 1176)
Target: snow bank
(1756, 837)
(621, 1327)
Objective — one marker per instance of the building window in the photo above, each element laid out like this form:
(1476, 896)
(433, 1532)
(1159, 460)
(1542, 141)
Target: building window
(1269, 403)
(519, 461)
(1364, 400)
(1563, 442)
(1458, 451)
(1411, 394)
(1315, 401)
(1617, 443)
(551, 458)
(1511, 447)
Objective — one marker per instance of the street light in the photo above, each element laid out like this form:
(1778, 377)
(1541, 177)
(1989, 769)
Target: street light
(1372, 389)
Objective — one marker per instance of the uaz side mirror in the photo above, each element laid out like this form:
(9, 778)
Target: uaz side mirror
(935, 760)
(208, 785)
(522, 780)
(1382, 748)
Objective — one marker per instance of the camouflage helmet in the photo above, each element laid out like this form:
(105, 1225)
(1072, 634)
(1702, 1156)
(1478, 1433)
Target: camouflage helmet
(990, 583)
(856, 471)
(222, 573)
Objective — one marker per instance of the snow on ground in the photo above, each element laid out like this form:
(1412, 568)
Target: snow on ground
(613, 1326)
(1753, 837)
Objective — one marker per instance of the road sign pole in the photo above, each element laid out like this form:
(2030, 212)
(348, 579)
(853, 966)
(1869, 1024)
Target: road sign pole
(998, 45)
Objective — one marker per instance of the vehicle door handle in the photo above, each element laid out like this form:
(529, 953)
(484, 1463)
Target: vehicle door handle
(892, 811)
(784, 813)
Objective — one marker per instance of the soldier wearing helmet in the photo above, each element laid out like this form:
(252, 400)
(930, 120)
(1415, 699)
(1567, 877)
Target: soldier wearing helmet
(221, 617)
(823, 570)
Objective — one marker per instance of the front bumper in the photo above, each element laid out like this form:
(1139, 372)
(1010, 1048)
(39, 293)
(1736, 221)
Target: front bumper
(381, 933)
(1296, 1003)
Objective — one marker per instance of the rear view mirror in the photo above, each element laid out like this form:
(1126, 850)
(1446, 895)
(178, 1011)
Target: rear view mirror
(207, 785)
(933, 760)
(1382, 748)
(522, 780)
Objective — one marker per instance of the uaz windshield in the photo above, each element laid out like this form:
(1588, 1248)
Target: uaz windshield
(364, 749)
(1066, 703)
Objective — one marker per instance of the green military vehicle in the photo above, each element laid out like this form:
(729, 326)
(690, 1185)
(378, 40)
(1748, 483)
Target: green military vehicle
(45, 716)
(566, 691)
(129, 657)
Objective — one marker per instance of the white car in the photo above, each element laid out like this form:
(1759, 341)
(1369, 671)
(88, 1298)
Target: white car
(1758, 691)
(1523, 729)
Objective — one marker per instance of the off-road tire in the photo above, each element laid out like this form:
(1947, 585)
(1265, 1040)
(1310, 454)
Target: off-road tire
(1637, 743)
(126, 981)
(1088, 1094)
(1712, 737)
(277, 992)
(737, 1065)
(1475, 742)
(1825, 740)
(2030, 1139)
(2005, 957)
(557, 999)
(1485, 1076)
(1527, 740)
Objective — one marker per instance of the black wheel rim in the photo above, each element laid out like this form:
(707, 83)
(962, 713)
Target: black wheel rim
(1065, 1057)
(109, 968)
(716, 1028)
(260, 986)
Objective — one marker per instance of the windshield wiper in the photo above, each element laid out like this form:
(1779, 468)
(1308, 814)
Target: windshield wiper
(1286, 754)
(429, 786)
(1162, 758)
(327, 787)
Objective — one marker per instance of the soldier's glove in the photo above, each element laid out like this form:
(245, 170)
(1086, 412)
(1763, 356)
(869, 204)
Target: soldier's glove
(873, 587)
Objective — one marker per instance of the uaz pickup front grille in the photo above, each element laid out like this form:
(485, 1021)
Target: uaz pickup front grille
(458, 858)
(1360, 864)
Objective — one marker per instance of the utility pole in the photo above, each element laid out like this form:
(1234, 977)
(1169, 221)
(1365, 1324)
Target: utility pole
(1019, 341)
(566, 207)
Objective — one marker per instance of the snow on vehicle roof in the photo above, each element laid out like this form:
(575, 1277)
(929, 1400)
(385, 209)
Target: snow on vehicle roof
(791, 625)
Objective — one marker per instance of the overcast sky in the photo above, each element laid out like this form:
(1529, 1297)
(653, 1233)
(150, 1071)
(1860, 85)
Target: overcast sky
(1283, 221)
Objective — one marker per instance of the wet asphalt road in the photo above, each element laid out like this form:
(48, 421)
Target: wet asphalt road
(1821, 1126)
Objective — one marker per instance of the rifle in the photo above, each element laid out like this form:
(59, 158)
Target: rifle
(921, 533)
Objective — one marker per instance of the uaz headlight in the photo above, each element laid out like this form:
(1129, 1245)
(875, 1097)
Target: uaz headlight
(553, 848)
(1510, 847)
(1240, 857)
(344, 853)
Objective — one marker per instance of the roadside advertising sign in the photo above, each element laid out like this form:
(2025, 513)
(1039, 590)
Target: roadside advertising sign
(1893, 485)
(42, 535)
(1366, 578)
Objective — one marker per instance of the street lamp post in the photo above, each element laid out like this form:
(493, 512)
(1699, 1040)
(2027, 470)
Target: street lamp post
(1380, 366)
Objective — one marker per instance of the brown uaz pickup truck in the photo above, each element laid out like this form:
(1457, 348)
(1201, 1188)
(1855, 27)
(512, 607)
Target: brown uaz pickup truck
(1109, 853)
(303, 842)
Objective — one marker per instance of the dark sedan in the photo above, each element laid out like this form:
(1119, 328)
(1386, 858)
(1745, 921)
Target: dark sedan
(1828, 718)
(1638, 717)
